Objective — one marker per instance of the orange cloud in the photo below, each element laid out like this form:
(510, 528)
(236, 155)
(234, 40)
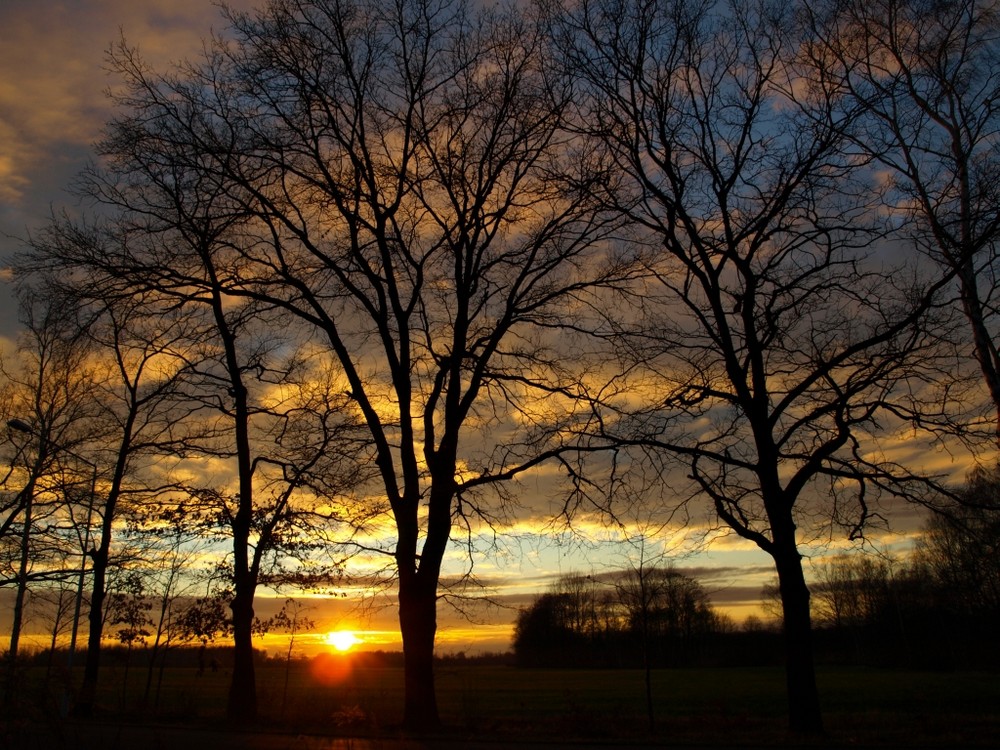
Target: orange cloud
(53, 74)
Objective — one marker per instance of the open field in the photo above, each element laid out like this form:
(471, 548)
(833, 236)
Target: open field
(702, 707)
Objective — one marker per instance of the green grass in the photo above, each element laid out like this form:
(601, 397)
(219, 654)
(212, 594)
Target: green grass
(703, 706)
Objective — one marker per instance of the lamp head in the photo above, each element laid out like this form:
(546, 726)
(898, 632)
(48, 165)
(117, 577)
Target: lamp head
(20, 425)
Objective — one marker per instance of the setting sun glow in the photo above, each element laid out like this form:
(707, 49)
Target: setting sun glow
(342, 640)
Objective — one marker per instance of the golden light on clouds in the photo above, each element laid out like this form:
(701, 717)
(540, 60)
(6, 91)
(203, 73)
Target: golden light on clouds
(11, 182)
(53, 81)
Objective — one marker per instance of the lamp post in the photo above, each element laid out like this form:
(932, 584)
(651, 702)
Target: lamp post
(22, 426)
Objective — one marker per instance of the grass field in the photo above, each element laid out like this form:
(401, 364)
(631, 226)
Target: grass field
(696, 706)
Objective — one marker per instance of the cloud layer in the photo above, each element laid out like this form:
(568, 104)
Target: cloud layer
(53, 102)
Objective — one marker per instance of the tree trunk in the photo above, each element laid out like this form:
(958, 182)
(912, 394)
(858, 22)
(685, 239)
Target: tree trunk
(804, 713)
(28, 494)
(88, 691)
(27, 498)
(101, 556)
(418, 626)
(983, 343)
(242, 704)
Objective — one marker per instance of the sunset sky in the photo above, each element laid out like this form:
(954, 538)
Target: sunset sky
(52, 107)
(52, 93)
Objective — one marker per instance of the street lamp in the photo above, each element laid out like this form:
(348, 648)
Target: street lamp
(20, 425)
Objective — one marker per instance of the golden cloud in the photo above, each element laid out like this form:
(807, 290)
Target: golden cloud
(53, 72)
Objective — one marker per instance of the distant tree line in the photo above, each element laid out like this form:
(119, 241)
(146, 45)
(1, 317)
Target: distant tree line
(940, 607)
(609, 620)
(937, 608)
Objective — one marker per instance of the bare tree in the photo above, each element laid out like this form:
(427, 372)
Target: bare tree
(141, 419)
(292, 619)
(129, 397)
(231, 389)
(395, 167)
(642, 593)
(172, 550)
(242, 390)
(926, 75)
(46, 422)
(853, 591)
(54, 605)
(959, 547)
(618, 618)
(771, 345)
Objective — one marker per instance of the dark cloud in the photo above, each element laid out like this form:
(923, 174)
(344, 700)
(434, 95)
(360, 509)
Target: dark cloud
(53, 102)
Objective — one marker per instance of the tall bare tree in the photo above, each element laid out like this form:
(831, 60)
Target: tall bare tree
(770, 345)
(47, 414)
(141, 418)
(136, 348)
(202, 375)
(927, 76)
(398, 164)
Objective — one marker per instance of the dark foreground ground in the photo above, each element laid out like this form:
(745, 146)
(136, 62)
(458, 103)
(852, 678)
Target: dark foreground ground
(111, 736)
(500, 707)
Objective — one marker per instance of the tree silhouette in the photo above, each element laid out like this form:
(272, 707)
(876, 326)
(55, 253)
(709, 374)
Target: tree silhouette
(236, 383)
(926, 76)
(770, 344)
(617, 618)
(291, 619)
(959, 548)
(47, 413)
(393, 171)
(128, 607)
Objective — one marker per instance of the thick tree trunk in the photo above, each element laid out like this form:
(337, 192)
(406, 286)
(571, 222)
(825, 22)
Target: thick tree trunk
(804, 713)
(101, 557)
(92, 664)
(242, 704)
(418, 626)
(984, 345)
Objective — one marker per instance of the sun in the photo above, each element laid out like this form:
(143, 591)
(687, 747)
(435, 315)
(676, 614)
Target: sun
(342, 640)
